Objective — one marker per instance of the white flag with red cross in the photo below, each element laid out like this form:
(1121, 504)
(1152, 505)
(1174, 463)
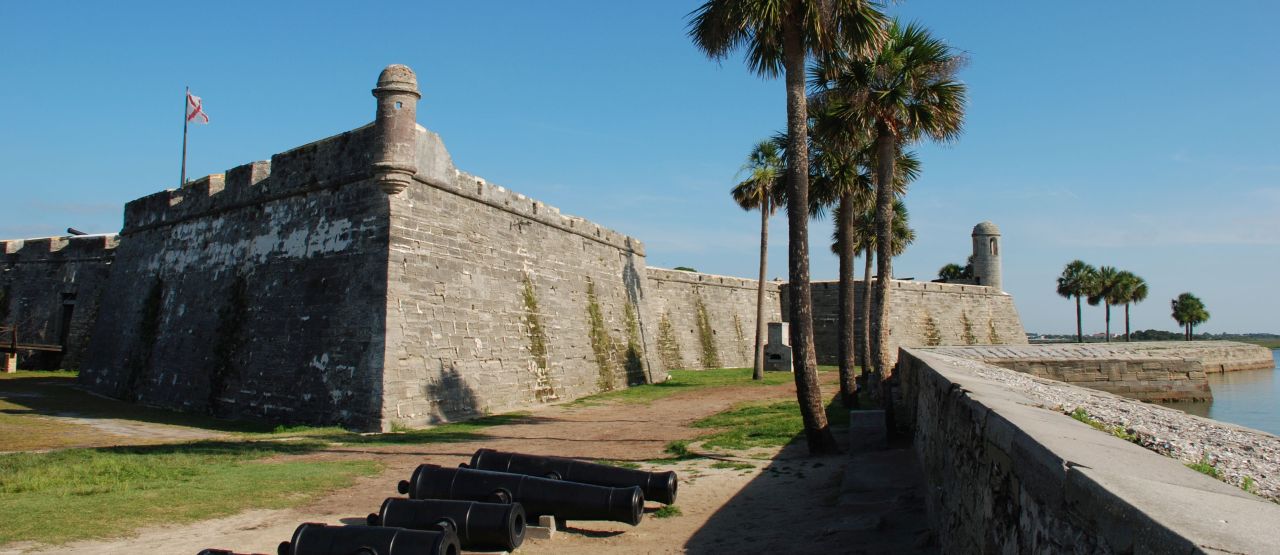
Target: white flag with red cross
(195, 109)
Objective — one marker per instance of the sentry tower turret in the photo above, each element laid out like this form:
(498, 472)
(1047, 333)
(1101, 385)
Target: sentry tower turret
(395, 128)
(986, 255)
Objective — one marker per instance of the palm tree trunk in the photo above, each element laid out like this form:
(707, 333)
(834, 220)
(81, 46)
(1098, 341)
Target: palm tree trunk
(804, 359)
(758, 372)
(865, 329)
(1079, 327)
(1126, 323)
(1107, 306)
(884, 245)
(844, 234)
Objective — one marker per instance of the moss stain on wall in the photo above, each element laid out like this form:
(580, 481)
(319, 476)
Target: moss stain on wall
(668, 346)
(602, 344)
(968, 337)
(932, 337)
(706, 335)
(543, 388)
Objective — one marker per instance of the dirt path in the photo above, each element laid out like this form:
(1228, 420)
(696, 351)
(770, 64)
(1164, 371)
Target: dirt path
(785, 497)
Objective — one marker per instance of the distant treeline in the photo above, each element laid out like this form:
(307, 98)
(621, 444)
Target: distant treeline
(1268, 340)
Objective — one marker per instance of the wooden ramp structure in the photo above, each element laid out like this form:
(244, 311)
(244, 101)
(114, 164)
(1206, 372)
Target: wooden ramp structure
(11, 346)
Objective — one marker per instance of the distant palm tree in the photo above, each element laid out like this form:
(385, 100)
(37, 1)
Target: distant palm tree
(1076, 281)
(1189, 311)
(764, 171)
(906, 91)
(1106, 290)
(1132, 290)
(952, 272)
(778, 36)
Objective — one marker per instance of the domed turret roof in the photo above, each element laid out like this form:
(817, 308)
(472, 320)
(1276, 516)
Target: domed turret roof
(397, 77)
(986, 228)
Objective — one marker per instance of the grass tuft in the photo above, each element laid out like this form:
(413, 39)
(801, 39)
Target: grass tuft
(667, 511)
(1205, 467)
(733, 465)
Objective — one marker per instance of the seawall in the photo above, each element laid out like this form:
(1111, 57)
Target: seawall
(1147, 371)
(1007, 475)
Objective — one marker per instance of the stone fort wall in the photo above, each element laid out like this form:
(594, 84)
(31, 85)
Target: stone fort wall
(257, 293)
(496, 301)
(705, 320)
(922, 314)
(50, 290)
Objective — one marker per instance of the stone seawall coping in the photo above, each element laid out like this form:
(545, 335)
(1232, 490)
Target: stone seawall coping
(1010, 476)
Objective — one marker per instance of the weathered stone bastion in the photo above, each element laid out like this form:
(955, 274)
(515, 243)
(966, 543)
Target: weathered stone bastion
(1008, 475)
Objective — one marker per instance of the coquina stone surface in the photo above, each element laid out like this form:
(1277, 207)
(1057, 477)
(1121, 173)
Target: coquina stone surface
(50, 290)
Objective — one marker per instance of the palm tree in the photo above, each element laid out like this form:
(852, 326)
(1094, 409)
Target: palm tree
(1132, 290)
(1190, 312)
(905, 91)
(778, 36)
(1076, 281)
(841, 175)
(1106, 289)
(952, 272)
(864, 237)
(764, 177)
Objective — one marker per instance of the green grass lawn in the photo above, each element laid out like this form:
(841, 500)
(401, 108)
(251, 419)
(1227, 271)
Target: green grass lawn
(685, 380)
(87, 493)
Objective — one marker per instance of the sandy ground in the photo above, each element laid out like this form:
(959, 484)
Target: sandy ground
(787, 501)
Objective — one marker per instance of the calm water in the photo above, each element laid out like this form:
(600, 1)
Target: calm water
(1250, 398)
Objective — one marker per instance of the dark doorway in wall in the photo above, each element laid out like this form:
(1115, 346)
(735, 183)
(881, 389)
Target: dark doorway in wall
(64, 323)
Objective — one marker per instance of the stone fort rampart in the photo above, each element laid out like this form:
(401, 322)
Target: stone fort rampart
(50, 289)
(363, 280)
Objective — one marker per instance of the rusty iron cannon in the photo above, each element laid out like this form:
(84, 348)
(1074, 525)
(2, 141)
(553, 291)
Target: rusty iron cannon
(540, 496)
(478, 525)
(657, 486)
(319, 539)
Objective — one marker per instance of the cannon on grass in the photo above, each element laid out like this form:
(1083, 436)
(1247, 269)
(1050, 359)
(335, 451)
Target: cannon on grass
(320, 539)
(478, 525)
(657, 486)
(540, 496)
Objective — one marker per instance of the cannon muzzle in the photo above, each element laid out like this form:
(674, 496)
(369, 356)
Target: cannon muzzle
(478, 525)
(657, 486)
(320, 539)
(539, 496)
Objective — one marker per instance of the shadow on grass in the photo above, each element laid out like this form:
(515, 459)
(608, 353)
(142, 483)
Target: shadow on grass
(56, 394)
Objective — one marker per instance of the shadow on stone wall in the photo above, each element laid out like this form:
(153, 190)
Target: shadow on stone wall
(456, 399)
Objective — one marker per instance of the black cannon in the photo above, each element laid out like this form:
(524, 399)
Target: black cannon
(540, 496)
(657, 486)
(478, 525)
(319, 539)
(215, 551)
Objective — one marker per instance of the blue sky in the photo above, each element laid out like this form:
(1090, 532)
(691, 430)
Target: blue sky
(1135, 134)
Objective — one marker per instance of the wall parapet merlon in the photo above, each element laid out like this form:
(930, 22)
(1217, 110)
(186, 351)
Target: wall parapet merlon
(923, 286)
(1008, 475)
(713, 280)
(60, 249)
(329, 162)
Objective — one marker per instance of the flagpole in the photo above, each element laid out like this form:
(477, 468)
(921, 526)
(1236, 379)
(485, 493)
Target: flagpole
(185, 101)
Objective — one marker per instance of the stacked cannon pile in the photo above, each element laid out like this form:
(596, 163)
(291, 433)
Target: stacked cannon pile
(486, 504)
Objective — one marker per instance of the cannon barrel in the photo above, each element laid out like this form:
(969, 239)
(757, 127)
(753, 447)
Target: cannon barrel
(319, 539)
(657, 486)
(540, 496)
(478, 525)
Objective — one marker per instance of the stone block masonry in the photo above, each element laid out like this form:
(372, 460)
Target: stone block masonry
(705, 320)
(50, 290)
(922, 314)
